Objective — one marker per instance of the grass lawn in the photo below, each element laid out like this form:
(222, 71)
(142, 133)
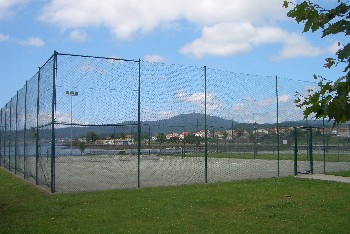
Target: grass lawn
(340, 173)
(284, 205)
(267, 156)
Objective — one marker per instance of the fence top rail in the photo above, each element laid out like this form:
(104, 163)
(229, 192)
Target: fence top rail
(98, 57)
(96, 125)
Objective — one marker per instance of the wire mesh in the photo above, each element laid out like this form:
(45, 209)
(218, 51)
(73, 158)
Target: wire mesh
(87, 123)
(20, 122)
(172, 109)
(94, 96)
(44, 123)
(31, 126)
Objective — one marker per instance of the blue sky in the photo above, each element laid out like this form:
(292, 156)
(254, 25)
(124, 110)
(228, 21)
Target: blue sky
(250, 36)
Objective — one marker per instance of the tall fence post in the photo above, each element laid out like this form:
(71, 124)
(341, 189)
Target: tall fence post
(324, 146)
(311, 153)
(206, 127)
(16, 133)
(295, 151)
(1, 137)
(5, 134)
(37, 132)
(277, 131)
(10, 136)
(53, 137)
(25, 132)
(139, 126)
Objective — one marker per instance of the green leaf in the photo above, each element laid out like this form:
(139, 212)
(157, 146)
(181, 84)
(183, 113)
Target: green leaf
(344, 53)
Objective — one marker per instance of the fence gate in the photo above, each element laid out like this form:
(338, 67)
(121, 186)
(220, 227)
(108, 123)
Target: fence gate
(303, 150)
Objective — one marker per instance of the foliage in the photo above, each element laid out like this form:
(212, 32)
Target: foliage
(33, 132)
(192, 139)
(91, 137)
(260, 206)
(240, 132)
(81, 147)
(332, 100)
(174, 140)
(161, 138)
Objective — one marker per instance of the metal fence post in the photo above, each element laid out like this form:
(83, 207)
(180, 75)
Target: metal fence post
(53, 138)
(324, 146)
(139, 126)
(277, 131)
(311, 153)
(37, 132)
(206, 127)
(10, 136)
(295, 151)
(25, 131)
(1, 137)
(16, 133)
(5, 133)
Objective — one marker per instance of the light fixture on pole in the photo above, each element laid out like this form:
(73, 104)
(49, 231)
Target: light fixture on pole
(71, 94)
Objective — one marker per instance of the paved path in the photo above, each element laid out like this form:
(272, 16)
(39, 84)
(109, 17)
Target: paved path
(325, 177)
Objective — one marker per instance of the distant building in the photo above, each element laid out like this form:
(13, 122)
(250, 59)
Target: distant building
(343, 132)
(82, 139)
(113, 142)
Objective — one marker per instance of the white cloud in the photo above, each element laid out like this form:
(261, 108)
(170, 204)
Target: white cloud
(225, 39)
(228, 39)
(154, 58)
(125, 19)
(198, 99)
(31, 41)
(228, 27)
(7, 7)
(295, 45)
(78, 35)
(166, 114)
(4, 37)
(284, 98)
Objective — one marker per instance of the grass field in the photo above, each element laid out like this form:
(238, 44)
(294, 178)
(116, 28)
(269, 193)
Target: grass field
(271, 156)
(340, 173)
(285, 205)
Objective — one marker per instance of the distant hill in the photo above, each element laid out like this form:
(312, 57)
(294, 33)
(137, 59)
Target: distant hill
(192, 122)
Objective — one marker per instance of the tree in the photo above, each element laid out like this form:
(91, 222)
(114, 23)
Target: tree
(332, 99)
(174, 139)
(192, 139)
(33, 132)
(81, 147)
(161, 138)
(91, 137)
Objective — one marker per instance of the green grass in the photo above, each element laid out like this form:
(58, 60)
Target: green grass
(340, 173)
(266, 156)
(285, 205)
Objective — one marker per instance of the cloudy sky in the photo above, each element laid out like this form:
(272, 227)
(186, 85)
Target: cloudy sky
(249, 36)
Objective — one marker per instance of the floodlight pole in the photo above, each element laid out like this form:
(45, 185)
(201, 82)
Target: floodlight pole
(71, 94)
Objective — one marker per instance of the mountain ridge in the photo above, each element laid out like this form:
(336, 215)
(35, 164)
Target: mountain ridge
(191, 122)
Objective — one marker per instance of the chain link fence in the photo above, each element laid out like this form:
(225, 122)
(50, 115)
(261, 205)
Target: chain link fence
(85, 123)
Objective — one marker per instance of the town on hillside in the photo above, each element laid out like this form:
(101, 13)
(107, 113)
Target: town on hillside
(231, 135)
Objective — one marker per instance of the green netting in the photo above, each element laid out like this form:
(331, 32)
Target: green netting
(89, 123)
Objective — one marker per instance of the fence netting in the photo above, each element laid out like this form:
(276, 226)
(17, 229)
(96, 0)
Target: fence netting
(84, 123)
